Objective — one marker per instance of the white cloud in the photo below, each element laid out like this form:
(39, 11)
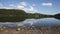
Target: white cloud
(1, 6)
(31, 9)
(9, 8)
(33, 5)
(11, 5)
(47, 4)
(21, 5)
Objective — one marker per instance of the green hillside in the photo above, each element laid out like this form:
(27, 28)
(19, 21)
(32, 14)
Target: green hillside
(14, 15)
(11, 15)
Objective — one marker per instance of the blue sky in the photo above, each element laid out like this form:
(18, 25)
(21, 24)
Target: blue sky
(33, 6)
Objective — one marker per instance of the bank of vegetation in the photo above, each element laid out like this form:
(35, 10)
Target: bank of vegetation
(15, 15)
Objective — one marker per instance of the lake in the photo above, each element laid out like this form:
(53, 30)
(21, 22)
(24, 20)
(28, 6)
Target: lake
(42, 22)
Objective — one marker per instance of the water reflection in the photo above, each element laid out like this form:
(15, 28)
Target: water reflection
(43, 22)
(57, 18)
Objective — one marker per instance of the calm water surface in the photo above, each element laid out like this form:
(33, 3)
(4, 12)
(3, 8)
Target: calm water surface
(43, 22)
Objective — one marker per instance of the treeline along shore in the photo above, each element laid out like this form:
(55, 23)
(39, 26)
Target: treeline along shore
(15, 15)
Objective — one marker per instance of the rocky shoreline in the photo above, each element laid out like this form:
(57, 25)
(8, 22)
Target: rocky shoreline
(24, 30)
